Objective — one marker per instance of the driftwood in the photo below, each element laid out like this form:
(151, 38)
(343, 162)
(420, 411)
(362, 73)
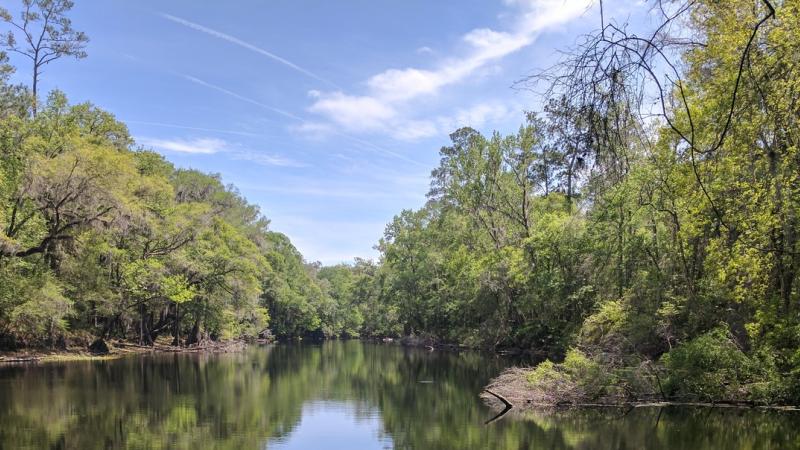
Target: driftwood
(19, 359)
(504, 411)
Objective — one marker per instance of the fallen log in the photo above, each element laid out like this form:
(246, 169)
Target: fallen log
(18, 359)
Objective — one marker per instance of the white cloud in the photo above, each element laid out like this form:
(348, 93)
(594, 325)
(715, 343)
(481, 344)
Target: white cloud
(492, 44)
(336, 102)
(210, 146)
(330, 241)
(362, 113)
(386, 107)
(477, 116)
(405, 84)
(425, 50)
(265, 159)
(204, 146)
(412, 130)
(357, 193)
(552, 13)
(408, 129)
(313, 130)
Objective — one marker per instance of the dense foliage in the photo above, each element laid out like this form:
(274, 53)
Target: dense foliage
(644, 226)
(661, 245)
(101, 238)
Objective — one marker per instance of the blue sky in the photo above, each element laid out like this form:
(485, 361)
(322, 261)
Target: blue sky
(329, 115)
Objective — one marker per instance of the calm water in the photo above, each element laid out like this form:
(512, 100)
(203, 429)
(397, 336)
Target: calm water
(338, 395)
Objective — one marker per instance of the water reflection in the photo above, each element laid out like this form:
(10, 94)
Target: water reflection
(338, 395)
(336, 425)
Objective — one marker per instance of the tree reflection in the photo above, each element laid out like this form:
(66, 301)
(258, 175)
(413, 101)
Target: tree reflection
(249, 399)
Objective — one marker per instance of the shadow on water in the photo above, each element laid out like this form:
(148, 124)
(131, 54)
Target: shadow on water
(334, 395)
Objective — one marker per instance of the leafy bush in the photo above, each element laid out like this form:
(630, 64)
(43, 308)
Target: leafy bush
(604, 329)
(42, 315)
(710, 367)
(579, 379)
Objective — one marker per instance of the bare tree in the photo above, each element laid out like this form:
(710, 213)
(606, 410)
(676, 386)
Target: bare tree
(43, 34)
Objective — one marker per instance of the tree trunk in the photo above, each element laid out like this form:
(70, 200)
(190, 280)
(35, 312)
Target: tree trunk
(194, 334)
(34, 86)
(176, 327)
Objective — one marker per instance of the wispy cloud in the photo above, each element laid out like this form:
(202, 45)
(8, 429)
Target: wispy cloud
(266, 159)
(385, 105)
(303, 123)
(246, 45)
(477, 115)
(352, 193)
(210, 146)
(188, 127)
(204, 146)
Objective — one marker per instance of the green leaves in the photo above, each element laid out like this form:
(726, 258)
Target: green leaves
(149, 279)
(710, 367)
(133, 246)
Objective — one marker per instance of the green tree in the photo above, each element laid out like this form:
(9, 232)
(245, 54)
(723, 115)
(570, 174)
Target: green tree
(43, 33)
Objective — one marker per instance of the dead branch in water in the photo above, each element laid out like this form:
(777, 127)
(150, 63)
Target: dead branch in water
(504, 411)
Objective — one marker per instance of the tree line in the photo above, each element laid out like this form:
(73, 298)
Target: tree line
(101, 238)
(643, 223)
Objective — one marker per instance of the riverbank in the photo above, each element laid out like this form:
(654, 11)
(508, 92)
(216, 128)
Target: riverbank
(431, 344)
(116, 349)
(119, 348)
(520, 389)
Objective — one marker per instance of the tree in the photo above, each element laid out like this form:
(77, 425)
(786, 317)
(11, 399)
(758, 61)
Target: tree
(43, 34)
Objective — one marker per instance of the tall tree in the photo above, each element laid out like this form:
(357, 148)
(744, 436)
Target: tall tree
(43, 34)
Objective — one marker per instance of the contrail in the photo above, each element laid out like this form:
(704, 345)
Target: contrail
(247, 45)
(187, 127)
(370, 145)
(379, 149)
(241, 97)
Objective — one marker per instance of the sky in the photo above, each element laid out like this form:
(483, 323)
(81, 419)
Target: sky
(328, 115)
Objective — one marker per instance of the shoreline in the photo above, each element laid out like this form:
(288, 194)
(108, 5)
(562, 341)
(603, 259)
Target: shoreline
(500, 395)
(118, 349)
(434, 344)
(529, 406)
(511, 392)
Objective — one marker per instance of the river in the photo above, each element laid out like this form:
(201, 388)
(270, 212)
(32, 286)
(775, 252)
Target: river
(335, 396)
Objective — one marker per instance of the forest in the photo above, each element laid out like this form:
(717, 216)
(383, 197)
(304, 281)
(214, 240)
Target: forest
(638, 233)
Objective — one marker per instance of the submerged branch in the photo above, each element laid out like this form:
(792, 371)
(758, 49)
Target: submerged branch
(505, 410)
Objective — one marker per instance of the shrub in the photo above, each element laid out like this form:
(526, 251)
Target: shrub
(710, 367)
(604, 329)
(41, 319)
(579, 379)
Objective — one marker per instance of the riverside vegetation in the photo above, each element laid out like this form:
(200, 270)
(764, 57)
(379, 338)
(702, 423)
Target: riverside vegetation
(640, 231)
